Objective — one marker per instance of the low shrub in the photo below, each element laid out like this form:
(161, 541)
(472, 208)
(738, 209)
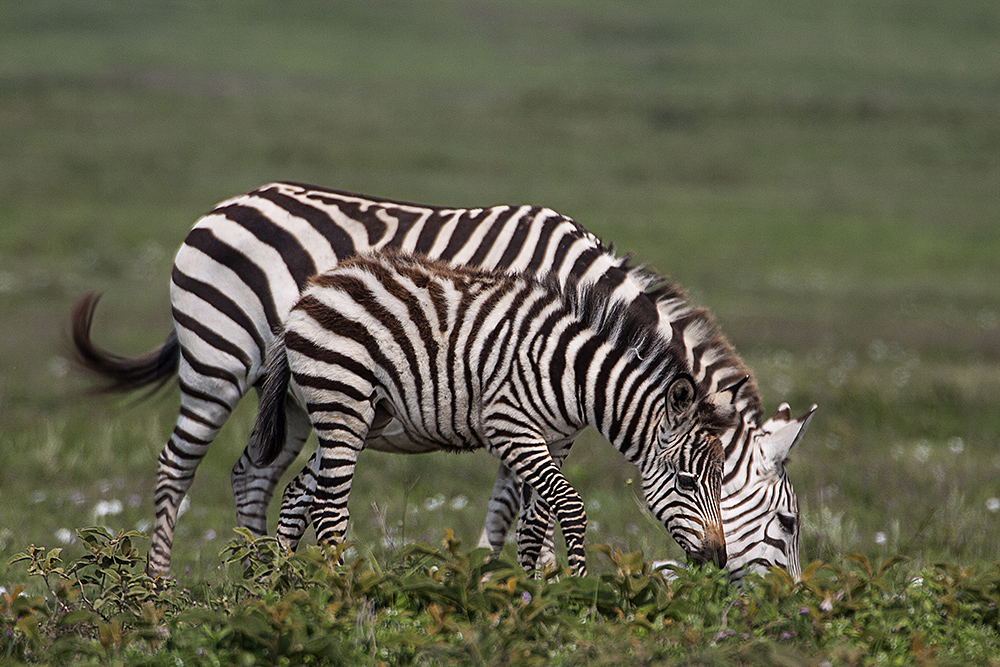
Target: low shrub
(444, 605)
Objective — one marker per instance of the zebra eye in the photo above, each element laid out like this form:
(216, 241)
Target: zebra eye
(686, 481)
(787, 522)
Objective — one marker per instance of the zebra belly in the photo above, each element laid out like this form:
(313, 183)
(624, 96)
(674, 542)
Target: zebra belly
(393, 439)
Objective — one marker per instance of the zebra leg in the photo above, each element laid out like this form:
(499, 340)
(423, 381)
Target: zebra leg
(342, 422)
(334, 474)
(296, 505)
(203, 412)
(297, 499)
(535, 527)
(253, 487)
(532, 463)
(505, 500)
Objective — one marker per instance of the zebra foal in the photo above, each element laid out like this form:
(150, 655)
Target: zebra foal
(467, 360)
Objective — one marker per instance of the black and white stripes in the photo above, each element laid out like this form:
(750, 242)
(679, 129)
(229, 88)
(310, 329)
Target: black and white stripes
(468, 359)
(240, 270)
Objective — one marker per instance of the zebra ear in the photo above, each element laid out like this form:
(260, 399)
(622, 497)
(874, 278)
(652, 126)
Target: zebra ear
(781, 433)
(680, 401)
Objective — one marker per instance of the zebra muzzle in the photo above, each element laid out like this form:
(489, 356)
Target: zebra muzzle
(713, 549)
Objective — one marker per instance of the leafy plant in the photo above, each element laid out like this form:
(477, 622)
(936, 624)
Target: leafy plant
(441, 604)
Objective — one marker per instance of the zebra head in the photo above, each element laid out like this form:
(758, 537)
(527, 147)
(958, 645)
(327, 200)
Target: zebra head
(760, 508)
(682, 484)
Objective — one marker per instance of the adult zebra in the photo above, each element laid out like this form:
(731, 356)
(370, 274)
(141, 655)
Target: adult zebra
(468, 359)
(759, 508)
(240, 269)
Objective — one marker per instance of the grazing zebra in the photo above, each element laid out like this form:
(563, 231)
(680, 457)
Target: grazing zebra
(759, 506)
(467, 359)
(240, 270)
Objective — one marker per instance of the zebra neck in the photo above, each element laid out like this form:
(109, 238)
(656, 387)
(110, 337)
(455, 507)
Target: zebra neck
(624, 406)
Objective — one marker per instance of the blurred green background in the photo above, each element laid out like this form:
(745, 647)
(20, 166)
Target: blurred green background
(824, 176)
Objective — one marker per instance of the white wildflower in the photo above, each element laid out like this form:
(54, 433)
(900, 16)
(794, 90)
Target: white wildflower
(880, 538)
(64, 535)
(459, 502)
(956, 445)
(59, 367)
(107, 508)
(993, 504)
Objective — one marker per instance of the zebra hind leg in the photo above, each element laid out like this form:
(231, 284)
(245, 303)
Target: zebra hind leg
(254, 486)
(296, 505)
(198, 423)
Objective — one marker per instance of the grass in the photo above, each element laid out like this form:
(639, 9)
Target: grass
(823, 177)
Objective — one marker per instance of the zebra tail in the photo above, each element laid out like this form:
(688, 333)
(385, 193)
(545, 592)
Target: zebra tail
(268, 435)
(123, 374)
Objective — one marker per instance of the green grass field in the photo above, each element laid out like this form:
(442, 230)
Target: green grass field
(824, 177)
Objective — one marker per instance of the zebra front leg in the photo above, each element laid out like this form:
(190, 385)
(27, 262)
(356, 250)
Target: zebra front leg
(534, 531)
(535, 527)
(254, 486)
(505, 500)
(532, 463)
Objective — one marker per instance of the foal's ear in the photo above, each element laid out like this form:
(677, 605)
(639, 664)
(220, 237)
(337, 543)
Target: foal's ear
(680, 400)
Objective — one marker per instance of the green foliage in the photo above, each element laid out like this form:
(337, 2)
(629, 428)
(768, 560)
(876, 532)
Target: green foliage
(443, 605)
(99, 604)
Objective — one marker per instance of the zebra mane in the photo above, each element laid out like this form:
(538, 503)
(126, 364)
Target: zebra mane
(716, 365)
(663, 322)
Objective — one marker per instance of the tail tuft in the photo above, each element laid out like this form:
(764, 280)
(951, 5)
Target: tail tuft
(123, 374)
(268, 435)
